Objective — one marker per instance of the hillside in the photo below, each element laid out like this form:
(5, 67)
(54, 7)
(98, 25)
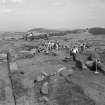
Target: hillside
(96, 30)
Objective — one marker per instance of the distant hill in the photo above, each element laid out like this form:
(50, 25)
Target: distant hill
(58, 32)
(75, 31)
(41, 30)
(96, 30)
(78, 31)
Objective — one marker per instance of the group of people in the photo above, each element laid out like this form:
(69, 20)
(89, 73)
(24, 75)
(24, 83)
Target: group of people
(51, 45)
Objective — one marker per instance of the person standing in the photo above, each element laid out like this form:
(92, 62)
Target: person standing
(82, 46)
(74, 52)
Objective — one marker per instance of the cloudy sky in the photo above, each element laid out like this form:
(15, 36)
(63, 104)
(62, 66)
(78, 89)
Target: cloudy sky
(60, 14)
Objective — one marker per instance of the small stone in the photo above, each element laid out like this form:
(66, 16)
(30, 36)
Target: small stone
(89, 63)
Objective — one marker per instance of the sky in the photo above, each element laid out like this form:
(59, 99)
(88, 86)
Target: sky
(16, 15)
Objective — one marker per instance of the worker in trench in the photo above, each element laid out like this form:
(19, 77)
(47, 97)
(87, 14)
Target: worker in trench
(74, 52)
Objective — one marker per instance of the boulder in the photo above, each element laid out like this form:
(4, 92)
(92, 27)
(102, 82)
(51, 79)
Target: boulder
(66, 73)
(13, 66)
(93, 56)
(40, 78)
(80, 64)
(44, 88)
(101, 67)
(84, 67)
(92, 66)
(89, 63)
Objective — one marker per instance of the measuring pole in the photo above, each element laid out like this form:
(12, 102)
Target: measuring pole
(9, 74)
(96, 72)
